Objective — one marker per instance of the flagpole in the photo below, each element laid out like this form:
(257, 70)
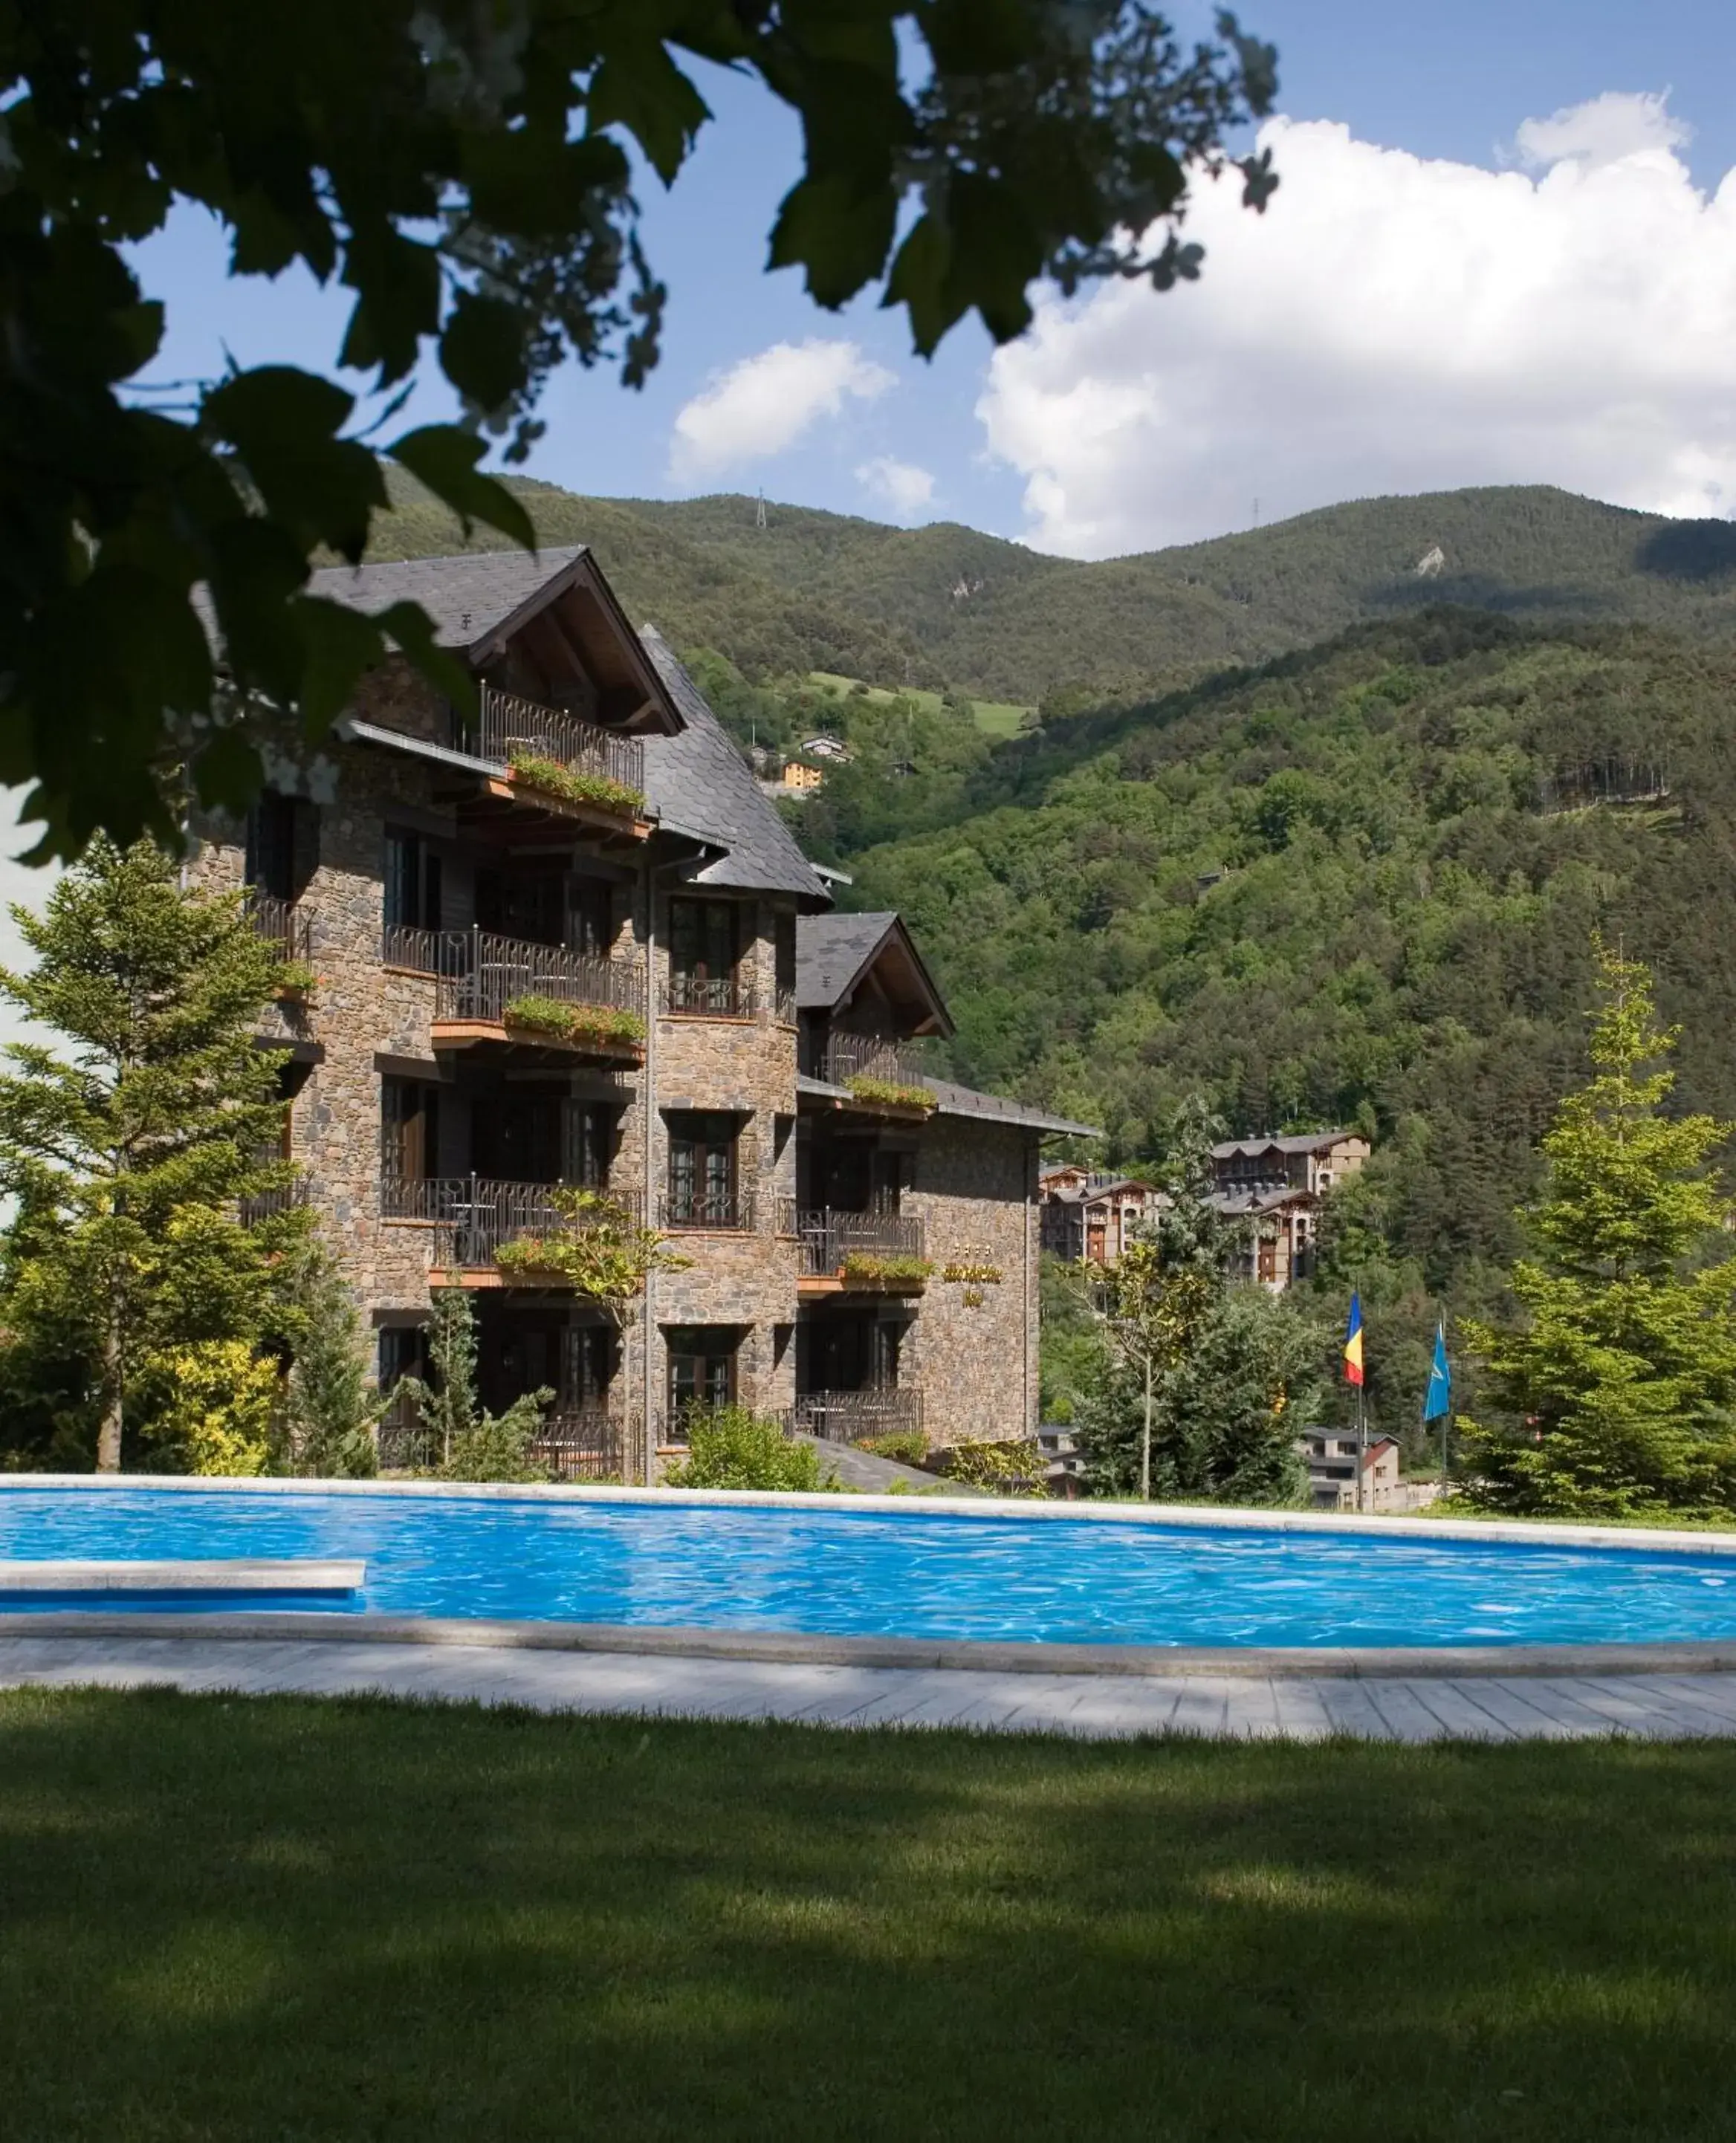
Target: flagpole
(1447, 1412)
(1361, 1425)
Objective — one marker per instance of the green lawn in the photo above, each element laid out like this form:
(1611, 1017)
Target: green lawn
(997, 718)
(297, 1920)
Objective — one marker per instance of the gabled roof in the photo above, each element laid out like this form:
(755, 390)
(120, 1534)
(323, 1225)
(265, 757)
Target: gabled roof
(833, 953)
(1291, 1142)
(480, 600)
(699, 785)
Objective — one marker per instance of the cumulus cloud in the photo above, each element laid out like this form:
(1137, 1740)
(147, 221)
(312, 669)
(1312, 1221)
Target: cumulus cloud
(765, 403)
(1395, 324)
(901, 486)
(1603, 130)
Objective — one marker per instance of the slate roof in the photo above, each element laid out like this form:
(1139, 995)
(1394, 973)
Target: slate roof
(466, 596)
(966, 1101)
(1292, 1142)
(832, 951)
(699, 784)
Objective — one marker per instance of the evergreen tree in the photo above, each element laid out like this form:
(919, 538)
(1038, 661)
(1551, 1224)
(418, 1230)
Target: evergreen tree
(471, 1444)
(1614, 1394)
(129, 1144)
(332, 1405)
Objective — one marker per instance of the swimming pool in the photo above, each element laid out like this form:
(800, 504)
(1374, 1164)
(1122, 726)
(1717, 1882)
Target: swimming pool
(834, 1570)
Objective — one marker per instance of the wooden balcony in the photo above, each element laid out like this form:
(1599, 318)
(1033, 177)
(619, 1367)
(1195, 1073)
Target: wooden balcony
(506, 992)
(881, 1078)
(553, 767)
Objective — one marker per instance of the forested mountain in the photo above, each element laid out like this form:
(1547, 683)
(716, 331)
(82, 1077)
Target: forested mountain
(946, 605)
(1358, 885)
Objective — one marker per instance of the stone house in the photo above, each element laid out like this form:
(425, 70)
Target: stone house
(567, 943)
(1278, 1185)
(1093, 1217)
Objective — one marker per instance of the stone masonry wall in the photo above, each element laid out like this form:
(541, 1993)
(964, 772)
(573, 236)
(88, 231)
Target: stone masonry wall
(976, 1362)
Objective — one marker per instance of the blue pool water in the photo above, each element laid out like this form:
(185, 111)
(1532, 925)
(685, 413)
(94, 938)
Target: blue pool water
(920, 1574)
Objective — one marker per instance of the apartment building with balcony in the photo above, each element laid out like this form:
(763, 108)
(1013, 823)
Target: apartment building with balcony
(567, 941)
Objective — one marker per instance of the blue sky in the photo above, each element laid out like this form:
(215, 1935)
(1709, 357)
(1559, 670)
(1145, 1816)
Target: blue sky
(1449, 84)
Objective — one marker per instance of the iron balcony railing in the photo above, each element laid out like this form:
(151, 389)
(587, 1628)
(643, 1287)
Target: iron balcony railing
(848, 1416)
(573, 1444)
(287, 928)
(473, 1216)
(842, 1057)
(507, 728)
(829, 1239)
(266, 1205)
(784, 1012)
(720, 996)
(480, 973)
(728, 1211)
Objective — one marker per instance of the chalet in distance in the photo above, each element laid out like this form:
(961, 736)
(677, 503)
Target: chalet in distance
(569, 942)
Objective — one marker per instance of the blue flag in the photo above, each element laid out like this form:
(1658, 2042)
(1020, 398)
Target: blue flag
(1439, 1400)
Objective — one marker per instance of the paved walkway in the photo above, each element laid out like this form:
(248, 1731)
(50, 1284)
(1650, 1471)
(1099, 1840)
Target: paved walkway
(1668, 1707)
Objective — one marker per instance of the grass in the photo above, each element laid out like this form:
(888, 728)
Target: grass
(995, 718)
(298, 1920)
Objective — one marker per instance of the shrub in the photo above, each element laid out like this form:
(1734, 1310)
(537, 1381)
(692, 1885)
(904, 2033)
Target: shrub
(296, 977)
(218, 1414)
(573, 786)
(331, 1408)
(732, 1448)
(889, 1093)
(1014, 1467)
(881, 1269)
(603, 1253)
(573, 1022)
(908, 1446)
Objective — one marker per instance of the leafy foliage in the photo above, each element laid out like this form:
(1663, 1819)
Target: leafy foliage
(732, 1448)
(604, 1255)
(216, 1408)
(473, 1444)
(130, 1147)
(1616, 1394)
(886, 1269)
(464, 173)
(890, 1093)
(909, 1446)
(573, 784)
(332, 1407)
(1009, 1466)
(562, 1022)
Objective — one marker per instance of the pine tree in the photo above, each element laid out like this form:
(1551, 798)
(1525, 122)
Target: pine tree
(1614, 1394)
(129, 1146)
(332, 1405)
(473, 1444)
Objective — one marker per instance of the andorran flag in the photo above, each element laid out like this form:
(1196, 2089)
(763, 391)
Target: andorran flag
(1353, 1343)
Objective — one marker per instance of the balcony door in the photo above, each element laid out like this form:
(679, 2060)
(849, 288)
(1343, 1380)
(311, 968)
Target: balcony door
(702, 1169)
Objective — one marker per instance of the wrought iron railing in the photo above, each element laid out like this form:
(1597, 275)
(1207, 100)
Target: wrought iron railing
(576, 1443)
(720, 996)
(266, 1205)
(480, 972)
(842, 1057)
(848, 1416)
(472, 1216)
(827, 1238)
(507, 728)
(729, 1210)
(286, 927)
(784, 1012)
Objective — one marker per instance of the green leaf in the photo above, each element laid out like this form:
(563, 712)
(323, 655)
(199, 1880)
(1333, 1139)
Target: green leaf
(444, 458)
(227, 771)
(840, 233)
(409, 624)
(483, 350)
(339, 645)
(918, 283)
(283, 424)
(640, 87)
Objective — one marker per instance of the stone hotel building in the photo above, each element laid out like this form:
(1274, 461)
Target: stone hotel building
(569, 942)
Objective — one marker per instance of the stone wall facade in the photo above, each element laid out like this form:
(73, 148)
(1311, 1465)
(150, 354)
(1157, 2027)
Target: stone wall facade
(972, 1347)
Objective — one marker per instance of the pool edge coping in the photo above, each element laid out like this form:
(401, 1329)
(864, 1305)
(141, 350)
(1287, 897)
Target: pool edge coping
(1540, 1532)
(792, 1648)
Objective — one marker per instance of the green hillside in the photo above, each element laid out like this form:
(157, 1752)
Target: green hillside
(947, 605)
(1358, 885)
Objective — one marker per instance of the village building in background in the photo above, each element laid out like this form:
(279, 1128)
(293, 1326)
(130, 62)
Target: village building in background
(567, 944)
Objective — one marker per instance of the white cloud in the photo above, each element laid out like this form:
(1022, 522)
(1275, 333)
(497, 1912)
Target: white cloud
(765, 403)
(1604, 130)
(903, 486)
(1393, 324)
